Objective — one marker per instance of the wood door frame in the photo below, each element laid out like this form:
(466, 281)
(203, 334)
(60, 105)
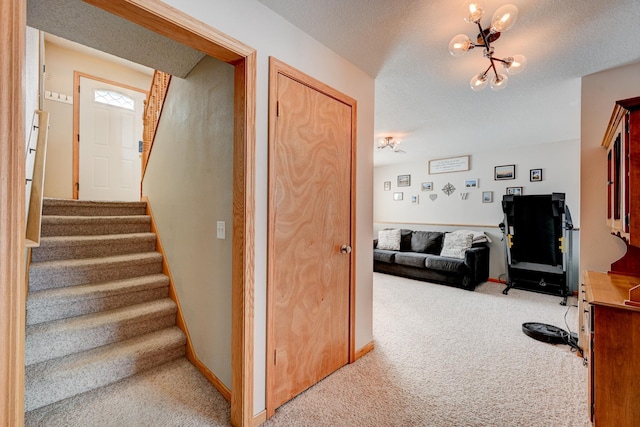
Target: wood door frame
(167, 21)
(277, 67)
(76, 122)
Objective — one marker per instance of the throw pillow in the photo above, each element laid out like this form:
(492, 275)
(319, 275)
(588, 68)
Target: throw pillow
(455, 244)
(429, 242)
(389, 240)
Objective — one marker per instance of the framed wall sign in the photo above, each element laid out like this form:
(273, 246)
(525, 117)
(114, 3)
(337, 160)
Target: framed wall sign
(397, 196)
(449, 164)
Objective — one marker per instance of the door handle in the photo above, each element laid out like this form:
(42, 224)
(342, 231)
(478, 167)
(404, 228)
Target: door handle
(345, 249)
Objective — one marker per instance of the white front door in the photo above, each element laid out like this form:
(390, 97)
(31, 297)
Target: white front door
(110, 131)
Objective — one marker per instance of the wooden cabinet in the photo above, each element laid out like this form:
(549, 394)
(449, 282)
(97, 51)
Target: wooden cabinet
(610, 337)
(622, 141)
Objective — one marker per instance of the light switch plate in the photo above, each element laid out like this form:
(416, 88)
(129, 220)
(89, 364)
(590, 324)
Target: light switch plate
(220, 230)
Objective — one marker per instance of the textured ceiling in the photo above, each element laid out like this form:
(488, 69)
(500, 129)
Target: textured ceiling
(422, 92)
(85, 24)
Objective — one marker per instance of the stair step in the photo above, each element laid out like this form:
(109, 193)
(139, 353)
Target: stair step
(58, 379)
(92, 208)
(57, 274)
(94, 225)
(76, 247)
(60, 338)
(60, 303)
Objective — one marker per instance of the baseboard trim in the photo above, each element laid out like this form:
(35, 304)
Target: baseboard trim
(259, 419)
(180, 322)
(211, 377)
(364, 350)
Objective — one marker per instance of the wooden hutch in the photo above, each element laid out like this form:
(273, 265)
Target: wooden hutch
(609, 308)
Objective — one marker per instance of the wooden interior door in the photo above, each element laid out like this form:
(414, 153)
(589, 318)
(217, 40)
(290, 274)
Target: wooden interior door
(310, 229)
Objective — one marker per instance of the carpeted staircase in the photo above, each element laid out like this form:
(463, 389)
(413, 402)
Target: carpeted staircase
(98, 309)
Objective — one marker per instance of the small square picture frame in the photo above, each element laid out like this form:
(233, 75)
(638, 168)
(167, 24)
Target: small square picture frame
(514, 191)
(387, 186)
(471, 183)
(487, 197)
(404, 180)
(535, 175)
(504, 172)
(398, 196)
(426, 186)
(414, 200)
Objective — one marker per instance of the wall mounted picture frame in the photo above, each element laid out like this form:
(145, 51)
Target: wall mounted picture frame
(471, 183)
(535, 175)
(397, 196)
(487, 197)
(426, 186)
(514, 191)
(414, 200)
(387, 186)
(504, 172)
(404, 180)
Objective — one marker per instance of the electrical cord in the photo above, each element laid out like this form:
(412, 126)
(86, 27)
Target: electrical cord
(571, 338)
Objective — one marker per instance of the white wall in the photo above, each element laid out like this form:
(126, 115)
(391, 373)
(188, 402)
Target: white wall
(560, 166)
(254, 24)
(189, 182)
(600, 91)
(60, 64)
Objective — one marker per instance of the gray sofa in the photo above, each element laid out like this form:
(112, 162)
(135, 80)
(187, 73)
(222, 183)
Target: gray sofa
(419, 257)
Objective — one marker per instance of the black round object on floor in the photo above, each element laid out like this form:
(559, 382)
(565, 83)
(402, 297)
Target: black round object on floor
(546, 333)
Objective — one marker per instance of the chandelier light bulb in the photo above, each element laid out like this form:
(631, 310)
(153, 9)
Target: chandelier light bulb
(479, 82)
(460, 44)
(504, 18)
(473, 10)
(517, 64)
(499, 82)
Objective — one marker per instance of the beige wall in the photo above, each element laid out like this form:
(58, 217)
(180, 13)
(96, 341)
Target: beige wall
(252, 23)
(60, 64)
(189, 183)
(600, 91)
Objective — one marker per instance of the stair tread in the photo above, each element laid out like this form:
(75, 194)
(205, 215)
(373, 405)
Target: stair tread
(48, 370)
(150, 256)
(46, 241)
(49, 297)
(97, 218)
(93, 320)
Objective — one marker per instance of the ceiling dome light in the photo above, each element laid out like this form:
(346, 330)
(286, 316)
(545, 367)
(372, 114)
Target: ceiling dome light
(503, 19)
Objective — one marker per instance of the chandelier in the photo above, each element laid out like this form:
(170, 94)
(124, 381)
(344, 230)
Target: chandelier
(503, 19)
(391, 143)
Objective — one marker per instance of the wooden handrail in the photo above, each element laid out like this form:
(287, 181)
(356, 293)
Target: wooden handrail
(152, 112)
(34, 213)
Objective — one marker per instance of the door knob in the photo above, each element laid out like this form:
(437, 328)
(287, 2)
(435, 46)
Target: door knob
(345, 249)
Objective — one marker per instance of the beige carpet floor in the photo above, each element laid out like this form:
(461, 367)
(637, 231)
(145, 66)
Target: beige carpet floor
(443, 357)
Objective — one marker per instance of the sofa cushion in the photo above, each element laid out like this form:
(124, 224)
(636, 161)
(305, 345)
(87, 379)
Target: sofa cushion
(384, 255)
(451, 265)
(389, 239)
(455, 244)
(412, 259)
(429, 242)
